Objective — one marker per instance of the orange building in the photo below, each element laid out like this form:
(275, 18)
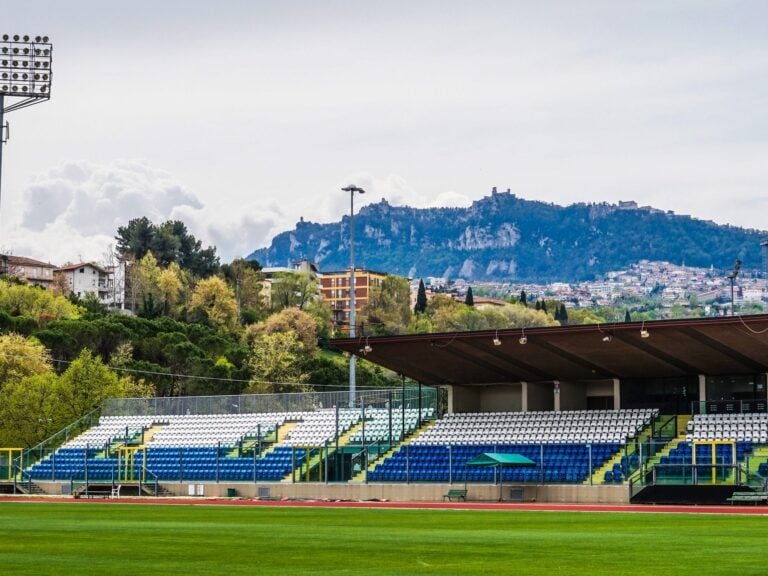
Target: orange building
(334, 289)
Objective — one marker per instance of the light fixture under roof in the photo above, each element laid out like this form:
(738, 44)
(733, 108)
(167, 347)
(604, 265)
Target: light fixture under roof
(496, 339)
(523, 338)
(643, 332)
(607, 338)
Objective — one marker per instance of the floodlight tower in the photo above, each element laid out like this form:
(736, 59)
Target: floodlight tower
(25, 77)
(352, 359)
(732, 278)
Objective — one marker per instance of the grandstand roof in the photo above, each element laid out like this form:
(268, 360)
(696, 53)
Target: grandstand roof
(666, 348)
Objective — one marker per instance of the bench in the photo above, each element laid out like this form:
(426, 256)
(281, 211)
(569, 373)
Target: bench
(457, 493)
(755, 497)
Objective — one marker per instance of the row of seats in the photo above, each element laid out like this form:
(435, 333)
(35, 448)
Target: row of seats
(603, 426)
(440, 463)
(380, 422)
(171, 465)
(752, 427)
(320, 427)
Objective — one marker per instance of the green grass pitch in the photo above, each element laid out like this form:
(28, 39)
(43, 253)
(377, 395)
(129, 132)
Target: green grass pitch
(133, 539)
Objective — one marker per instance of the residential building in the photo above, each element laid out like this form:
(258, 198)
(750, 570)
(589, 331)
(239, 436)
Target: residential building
(334, 289)
(32, 271)
(87, 278)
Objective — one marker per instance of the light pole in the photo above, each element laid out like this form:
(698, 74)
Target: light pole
(732, 278)
(25, 72)
(352, 359)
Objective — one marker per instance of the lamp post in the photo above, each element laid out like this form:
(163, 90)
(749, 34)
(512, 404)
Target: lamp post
(25, 73)
(352, 359)
(732, 278)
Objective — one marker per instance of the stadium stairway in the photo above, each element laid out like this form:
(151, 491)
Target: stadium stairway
(682, 423)
(598, 477)
(315, 460)
(284, 430)
(360, 477)
(249, 445)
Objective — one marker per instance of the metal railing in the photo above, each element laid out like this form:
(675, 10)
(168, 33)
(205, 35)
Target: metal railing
(411, 397)
(729, 406)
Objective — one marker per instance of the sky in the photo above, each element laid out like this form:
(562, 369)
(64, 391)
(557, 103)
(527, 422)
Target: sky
(240, 117)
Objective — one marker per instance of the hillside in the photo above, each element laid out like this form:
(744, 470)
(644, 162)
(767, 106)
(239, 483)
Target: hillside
(504, 237)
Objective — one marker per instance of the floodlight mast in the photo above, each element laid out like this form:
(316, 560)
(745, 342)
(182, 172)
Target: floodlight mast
(25, 76)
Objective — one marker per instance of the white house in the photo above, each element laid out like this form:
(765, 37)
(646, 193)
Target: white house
(88, 278)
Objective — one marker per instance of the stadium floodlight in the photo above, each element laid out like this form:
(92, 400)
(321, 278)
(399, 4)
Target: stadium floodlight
(25, 70)
(25, 77)
(352, 361)
(732, 277)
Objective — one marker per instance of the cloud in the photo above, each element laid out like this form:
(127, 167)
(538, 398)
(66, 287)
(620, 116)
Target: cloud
(393, 188)
(72, 212)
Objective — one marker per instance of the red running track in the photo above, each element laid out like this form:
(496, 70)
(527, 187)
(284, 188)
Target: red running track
(503, 506)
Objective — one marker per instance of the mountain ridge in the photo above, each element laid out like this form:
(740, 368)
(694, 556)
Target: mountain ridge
(503, 237)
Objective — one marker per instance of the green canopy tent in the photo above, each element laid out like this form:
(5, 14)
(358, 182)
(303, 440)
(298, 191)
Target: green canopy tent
(501, 461)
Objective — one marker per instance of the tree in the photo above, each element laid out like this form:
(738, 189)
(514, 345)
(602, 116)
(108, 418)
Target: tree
(290, 319)
(469, 300)
(563, 314)
(213, 300)
(627, 316)
(388, 309)
(88, 382)
(33, 302)
(523, 298)
(169, 242)
(84, 385)
(201, 262)
(145, 291)
(29, 410)
(135, 239)
(248, 283)
(277, 363)
(293, 289)
(169, 286)
(421, 299)
(21, 357)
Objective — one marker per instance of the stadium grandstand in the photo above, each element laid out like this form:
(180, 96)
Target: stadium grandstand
(668, 411)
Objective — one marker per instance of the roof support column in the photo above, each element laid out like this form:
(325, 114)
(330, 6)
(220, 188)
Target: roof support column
(556, 392)
(702, 392)
(524, 396)
(616, 394)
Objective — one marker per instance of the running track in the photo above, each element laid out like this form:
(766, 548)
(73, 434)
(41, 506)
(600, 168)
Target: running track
(506, 506)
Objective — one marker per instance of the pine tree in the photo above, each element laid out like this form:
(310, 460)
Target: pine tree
(543, 305)
(523, 298)
(627, 317)
(421, 299)
(563, 314)
(538, 305)
(469, 300)
(557, 313)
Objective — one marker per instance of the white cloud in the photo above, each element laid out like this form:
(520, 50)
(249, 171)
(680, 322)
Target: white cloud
(73, 211)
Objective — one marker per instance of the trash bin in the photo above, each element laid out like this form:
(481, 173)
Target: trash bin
(231, 492)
